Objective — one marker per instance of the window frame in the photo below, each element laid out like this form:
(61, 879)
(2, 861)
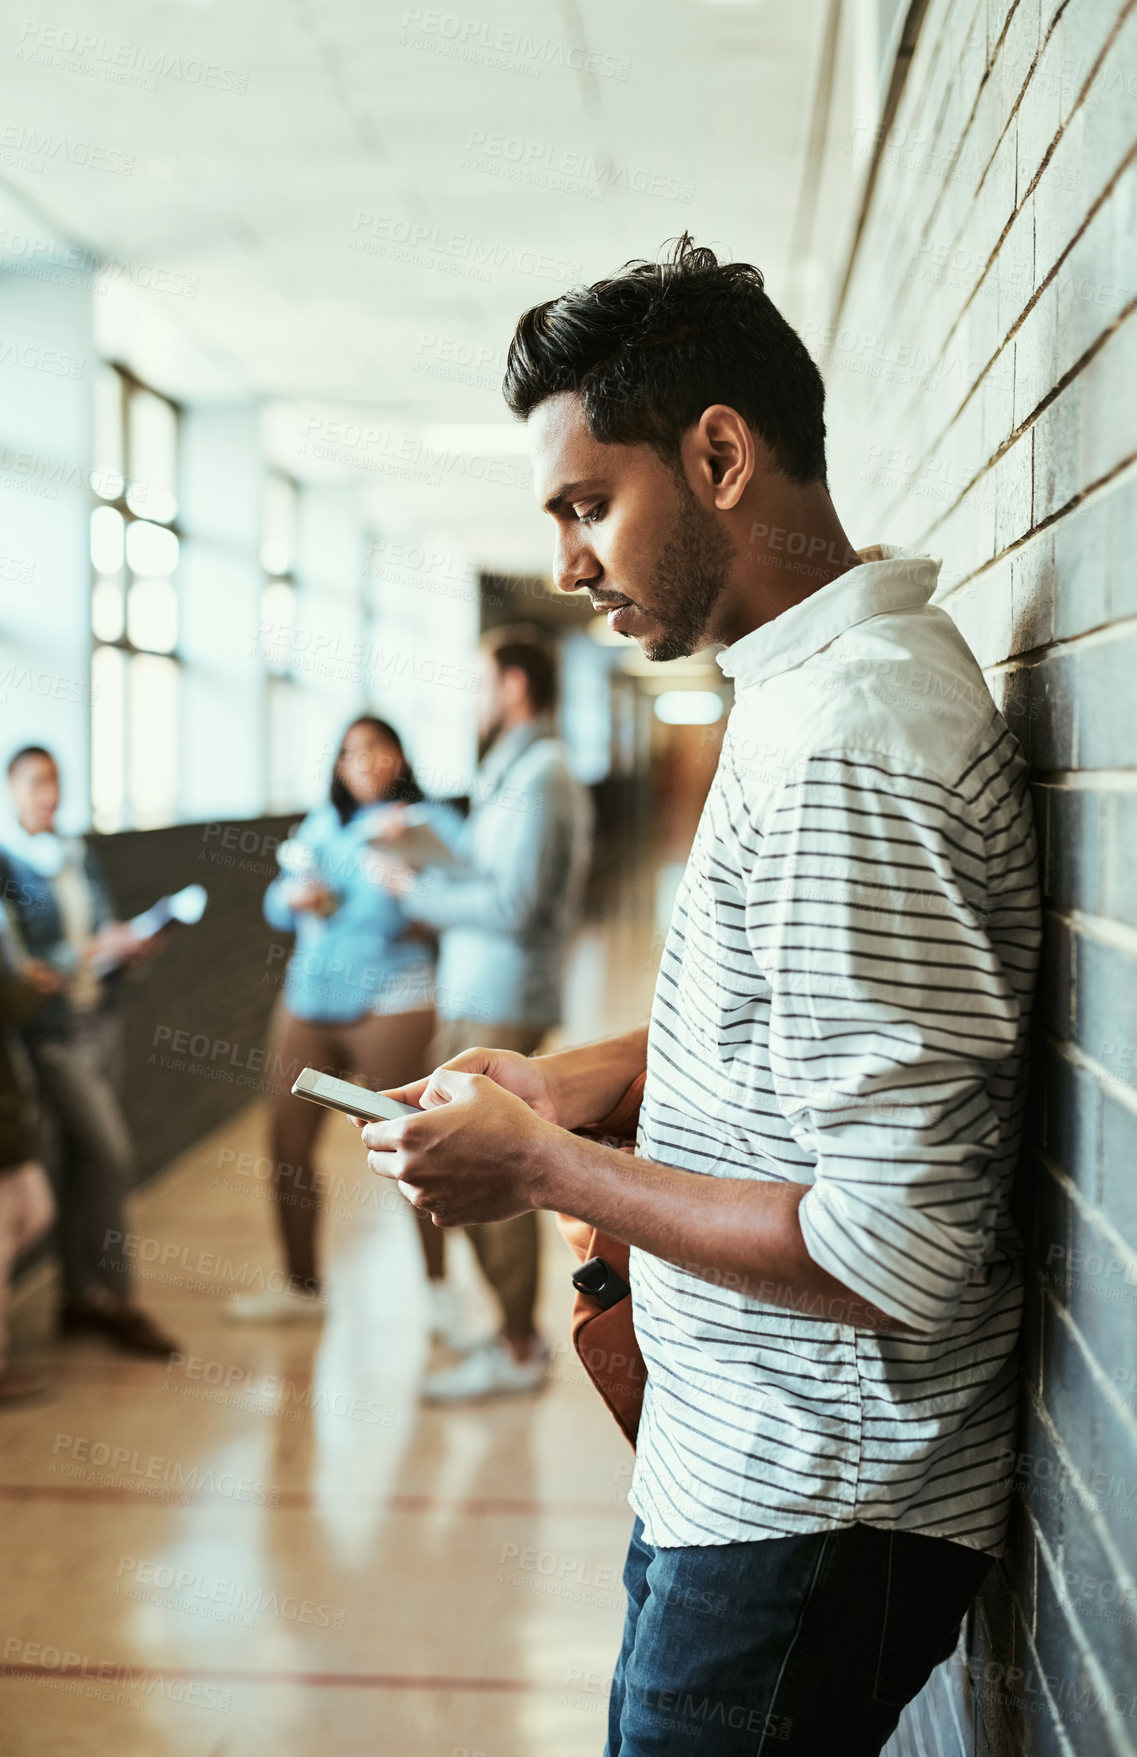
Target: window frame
(281, 686)
(130, 386)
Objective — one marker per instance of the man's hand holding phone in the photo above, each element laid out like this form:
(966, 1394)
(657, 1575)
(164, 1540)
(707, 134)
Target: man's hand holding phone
(519, 1074)
(486, 1126)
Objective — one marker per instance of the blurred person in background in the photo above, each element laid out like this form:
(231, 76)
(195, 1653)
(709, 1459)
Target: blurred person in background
(359, 991)
(26, 1206)
(67, 944)
(505, 917)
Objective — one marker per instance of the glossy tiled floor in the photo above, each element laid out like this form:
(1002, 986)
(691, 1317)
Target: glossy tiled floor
(272, 1547)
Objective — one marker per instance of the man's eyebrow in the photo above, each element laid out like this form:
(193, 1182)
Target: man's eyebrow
(564, 495)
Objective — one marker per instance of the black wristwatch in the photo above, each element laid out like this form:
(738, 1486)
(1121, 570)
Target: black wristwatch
(601, 1283)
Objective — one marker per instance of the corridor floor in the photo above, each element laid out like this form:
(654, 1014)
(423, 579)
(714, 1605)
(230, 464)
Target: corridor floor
(271, 1546)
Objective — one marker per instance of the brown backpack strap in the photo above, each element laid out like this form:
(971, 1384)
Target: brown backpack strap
(605, 1341)
(604, 1337)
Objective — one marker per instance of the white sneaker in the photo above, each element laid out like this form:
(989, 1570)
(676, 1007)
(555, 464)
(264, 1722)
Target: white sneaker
(448, 1321)
(285, 1306)
(443, 1311)
(489, 1370)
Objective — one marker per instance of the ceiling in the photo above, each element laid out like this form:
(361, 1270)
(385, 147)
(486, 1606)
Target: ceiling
(349, 204)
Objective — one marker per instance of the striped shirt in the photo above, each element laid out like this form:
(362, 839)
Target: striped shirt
(842, 1002)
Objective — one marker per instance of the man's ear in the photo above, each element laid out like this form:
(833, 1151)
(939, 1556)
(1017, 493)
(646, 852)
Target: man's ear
(723, 455)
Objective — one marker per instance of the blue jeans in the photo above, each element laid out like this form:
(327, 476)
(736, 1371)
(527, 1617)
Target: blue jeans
(807, 1645)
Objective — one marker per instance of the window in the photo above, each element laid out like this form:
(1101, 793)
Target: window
(277, 636)
(135, 543)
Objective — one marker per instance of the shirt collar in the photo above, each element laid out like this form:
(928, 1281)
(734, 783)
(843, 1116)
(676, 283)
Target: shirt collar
(887, 580)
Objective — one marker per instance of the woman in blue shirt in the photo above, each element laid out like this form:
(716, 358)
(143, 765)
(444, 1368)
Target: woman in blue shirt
(359, 991)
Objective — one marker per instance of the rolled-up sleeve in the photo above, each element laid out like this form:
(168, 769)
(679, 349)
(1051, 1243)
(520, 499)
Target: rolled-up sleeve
(865, 913)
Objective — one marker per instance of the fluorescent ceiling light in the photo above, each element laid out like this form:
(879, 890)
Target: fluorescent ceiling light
(688, 707)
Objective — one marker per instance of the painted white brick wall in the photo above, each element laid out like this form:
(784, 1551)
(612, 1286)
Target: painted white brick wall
(982, 379)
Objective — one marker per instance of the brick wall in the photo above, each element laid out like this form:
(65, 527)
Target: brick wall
(982, 373)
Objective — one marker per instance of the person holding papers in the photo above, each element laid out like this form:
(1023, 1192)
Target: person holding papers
(359, 991)
(61, 936)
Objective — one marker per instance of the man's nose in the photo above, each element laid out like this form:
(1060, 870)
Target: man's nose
(574, 565)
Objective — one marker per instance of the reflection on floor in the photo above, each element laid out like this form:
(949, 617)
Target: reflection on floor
(272, 1546)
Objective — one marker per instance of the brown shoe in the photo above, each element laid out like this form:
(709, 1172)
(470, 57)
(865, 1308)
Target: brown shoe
(17, 1387)
(126, 1324)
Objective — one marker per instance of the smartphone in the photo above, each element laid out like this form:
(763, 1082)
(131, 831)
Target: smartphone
(352, 1100)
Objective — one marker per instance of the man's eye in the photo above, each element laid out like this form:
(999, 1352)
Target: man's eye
(591, 516)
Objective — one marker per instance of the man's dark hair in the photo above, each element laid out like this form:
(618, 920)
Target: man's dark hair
(522, 650)
(29, 750)
(404, 789)
(650, 348)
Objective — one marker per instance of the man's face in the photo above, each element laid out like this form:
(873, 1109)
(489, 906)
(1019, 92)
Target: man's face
(34, 785)
(630, 532)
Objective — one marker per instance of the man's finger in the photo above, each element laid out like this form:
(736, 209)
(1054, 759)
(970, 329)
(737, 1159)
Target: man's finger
(429, 1092)
(383, 1137)
(471, 1061)
(447, 1083)
(437, 1207)
(411, 1094)
(384, 1165)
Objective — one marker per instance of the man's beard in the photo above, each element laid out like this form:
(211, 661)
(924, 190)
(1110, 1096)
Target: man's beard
(690, 576)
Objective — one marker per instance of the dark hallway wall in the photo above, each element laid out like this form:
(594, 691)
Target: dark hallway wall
(196, 1016)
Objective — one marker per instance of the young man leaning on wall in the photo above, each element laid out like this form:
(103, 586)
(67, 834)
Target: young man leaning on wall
(825, 1274)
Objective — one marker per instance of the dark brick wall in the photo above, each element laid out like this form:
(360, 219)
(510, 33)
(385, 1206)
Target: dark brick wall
(986, 346)
(214, 982)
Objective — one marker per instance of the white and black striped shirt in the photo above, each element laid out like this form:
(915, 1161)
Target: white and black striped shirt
(842, 1002)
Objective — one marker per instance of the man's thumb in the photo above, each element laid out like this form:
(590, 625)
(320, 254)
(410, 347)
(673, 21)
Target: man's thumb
(446, 1084)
